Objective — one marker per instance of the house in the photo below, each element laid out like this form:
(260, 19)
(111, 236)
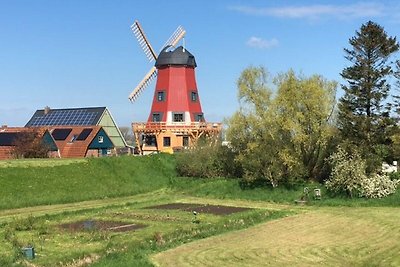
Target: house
(81, 141)
(82, 117)
(11, 136)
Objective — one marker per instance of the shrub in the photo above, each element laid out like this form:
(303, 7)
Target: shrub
(349, 176)
(208, 161)
(378, 186)
(348, 173)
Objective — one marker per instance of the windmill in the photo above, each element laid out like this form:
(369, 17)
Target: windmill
(176, 118)
(151, 55)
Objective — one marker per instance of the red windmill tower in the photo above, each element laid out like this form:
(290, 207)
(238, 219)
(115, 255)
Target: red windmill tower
(176, 119)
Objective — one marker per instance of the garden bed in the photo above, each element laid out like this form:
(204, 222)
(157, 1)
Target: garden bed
(92, 225)
(200, 208)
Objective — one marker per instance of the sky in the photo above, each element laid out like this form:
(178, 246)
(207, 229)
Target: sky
(74, 53)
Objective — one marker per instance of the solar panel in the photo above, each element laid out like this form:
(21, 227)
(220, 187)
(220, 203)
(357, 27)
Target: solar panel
(65, 117)
(61, 134)
(84, 134)
(7, 139)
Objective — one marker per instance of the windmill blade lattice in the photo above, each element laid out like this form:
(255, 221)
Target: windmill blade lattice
(151, 55)
(143, 42)
(175, 37)
(143, 84)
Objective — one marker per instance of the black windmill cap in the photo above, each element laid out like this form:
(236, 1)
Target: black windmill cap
(178, 56)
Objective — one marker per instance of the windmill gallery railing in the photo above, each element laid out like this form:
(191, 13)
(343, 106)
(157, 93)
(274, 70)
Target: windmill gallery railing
(146, 127)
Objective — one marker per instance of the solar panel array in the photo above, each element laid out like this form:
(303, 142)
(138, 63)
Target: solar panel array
(61, 134)
(84, 134)
(64, 117)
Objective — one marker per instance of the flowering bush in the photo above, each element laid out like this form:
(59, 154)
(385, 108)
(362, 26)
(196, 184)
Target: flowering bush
(378, 186)
(348, 176)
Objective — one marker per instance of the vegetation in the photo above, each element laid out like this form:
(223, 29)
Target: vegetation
(83, 180)
(283, 138)
(208, 160)
(369, 238)
(349, 176)
(364, 118)
(30, 145)
(133, 175)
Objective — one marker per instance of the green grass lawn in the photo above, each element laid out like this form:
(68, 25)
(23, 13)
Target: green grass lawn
(118, 188)
(79, 180)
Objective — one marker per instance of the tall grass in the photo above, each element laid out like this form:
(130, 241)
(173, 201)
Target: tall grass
(96, 178)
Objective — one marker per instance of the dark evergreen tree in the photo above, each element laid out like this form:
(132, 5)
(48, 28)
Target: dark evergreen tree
(364, 112)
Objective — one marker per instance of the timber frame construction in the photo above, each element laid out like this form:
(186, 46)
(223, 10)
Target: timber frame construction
(172, 137)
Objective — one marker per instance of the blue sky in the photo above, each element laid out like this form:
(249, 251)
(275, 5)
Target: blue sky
(76, 53)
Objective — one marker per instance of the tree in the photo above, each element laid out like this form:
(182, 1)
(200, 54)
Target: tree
(281, 138)
(30, 144)
(364, 112)
(304, 108)
(127, 135)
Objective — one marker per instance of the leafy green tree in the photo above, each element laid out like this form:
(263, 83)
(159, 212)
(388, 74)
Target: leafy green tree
(304, 108)
(364, 112)
(283, 138)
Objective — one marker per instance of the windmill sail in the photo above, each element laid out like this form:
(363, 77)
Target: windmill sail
(143, 42)
(143, 84)
(175, 37)
(151, 55)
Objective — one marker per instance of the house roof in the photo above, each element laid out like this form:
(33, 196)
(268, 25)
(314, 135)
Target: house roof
(78, 117)
(8, 135)
(74, 141)
(66, 116)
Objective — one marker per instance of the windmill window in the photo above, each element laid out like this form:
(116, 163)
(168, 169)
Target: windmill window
(178, 117)
(100, 139)
(194, 96)
(167, 141)
(161, 96)
(199, 117)
(156, 117)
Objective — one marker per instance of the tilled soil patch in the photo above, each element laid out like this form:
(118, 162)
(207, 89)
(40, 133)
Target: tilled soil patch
(201, 208)
(92, 225)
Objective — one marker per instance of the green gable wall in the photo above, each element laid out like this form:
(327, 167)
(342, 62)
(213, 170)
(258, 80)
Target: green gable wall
(107, 143)
(111, 129)
(49, 141)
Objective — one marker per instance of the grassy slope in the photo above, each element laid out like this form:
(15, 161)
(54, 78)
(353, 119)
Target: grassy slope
(92, 179)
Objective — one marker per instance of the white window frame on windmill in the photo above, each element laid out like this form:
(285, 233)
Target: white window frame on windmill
(161, 96)
(178, 113)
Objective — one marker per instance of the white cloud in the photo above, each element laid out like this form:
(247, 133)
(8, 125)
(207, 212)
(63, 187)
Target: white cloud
(359, 10)
(262, 43)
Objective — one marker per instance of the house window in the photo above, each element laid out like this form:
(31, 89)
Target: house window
(161, 96)
(167, 141)
(178, 117)
(185, 141)
(199, 117)
(150, 140)
(100, 139)
(156, 117)
(194, 96)
(73, 138)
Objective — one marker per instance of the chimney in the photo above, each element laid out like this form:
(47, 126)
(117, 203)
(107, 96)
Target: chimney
(46, 110)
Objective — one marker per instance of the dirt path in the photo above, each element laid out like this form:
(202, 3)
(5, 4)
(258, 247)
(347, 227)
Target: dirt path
(325, 237)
